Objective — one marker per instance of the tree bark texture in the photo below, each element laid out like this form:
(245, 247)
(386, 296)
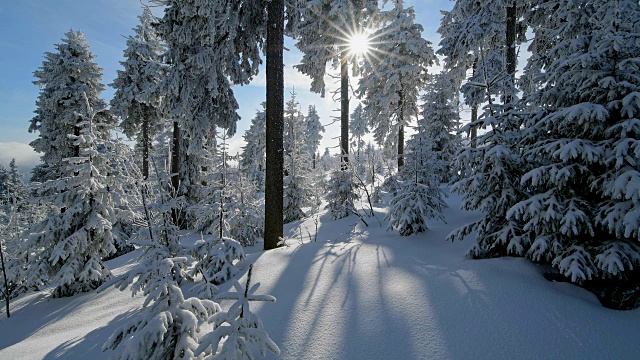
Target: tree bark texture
(274, 211)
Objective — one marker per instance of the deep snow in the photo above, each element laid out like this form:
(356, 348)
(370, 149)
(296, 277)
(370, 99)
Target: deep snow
(360, 292)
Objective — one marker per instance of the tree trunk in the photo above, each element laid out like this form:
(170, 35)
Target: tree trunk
(474, 130)
(145, 147)
(274, 214)
(76, 132)
(344, 110)
(401, 131)
(474, 113)
(175, 158)
(510, 45)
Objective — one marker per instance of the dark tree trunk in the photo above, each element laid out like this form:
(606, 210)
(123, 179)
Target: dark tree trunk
(510, 45)
(401, 131)
(474, 113)
(145, 147)
(344, 110)
(76, 132)
(474, 130)
(175, 158)
(274, 214)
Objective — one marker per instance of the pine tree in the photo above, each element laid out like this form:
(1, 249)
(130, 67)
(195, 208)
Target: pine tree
(582, 212)
(440, 122)
(391, 86)
(313, 133)
(210, 45)
(67, 249)
(296, 180)
(168, 324)
(482, 36)
(134, 100)
(418, 197)
(65, 75)
(358, 127)
(252, 159)
(342, 193)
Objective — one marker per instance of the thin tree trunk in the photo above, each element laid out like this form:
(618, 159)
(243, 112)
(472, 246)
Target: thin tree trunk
(145, 147)
(6, 284)
(474, 113)
(175, 158)
(401, 131)
(175, 168)
(344, 110)
(474, 130)
(274, 216)
(511, 45)
(76, 132)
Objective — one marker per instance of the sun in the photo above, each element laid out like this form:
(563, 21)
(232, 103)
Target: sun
(359, 44)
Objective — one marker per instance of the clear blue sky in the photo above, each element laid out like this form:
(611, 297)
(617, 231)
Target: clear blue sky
(29, 28)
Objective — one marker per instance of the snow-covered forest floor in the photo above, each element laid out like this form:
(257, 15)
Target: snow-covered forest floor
(360, 292)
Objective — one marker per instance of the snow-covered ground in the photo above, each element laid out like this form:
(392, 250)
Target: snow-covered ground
(361, 292)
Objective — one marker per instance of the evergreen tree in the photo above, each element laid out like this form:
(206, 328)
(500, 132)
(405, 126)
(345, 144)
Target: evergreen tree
(67, 248)
(482, 36)
(391, 86)
(440, 122)
(210, 45)
(582, 211)
(358, 127)
(342, 193)
(65, 75)
(252, 159)
(296, 180)
(134, 101)
(313, 134)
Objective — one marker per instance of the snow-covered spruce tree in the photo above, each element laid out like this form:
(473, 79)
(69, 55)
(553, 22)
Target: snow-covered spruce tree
(134, 101)
(236, 329)
(67, 248)
(582, 214)
(252, 158)
(440, 120)
(490, 168)
(203, 35)
(358, 127)
(482, 37)
(489, 179)
(216, 255)
(418, 198)
(391, 86)
(375, 168)
(342, 193)
(297, 190)
(313, 134)
(168, 324)
(63, 78)
(246, 213)
(122, 176)
(323, 35)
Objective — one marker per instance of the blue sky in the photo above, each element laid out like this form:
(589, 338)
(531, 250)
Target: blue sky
(29, 28)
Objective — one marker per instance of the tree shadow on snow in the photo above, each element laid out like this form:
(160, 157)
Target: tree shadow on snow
(90, 346)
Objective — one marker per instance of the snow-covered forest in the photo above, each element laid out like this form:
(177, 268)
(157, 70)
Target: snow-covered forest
(482, 199)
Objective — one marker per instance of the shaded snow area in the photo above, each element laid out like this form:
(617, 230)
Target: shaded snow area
(360, 292)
